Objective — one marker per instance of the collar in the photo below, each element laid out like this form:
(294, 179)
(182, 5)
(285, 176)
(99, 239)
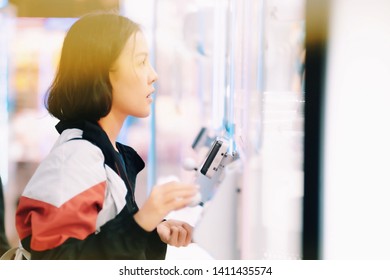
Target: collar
(97, 136)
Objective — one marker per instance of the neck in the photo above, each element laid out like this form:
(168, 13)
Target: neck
(112, 126)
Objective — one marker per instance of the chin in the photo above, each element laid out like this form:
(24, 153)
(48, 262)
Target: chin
(143, 114)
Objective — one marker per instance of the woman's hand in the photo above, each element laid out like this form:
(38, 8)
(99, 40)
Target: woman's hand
(175, 233)
(162, 200)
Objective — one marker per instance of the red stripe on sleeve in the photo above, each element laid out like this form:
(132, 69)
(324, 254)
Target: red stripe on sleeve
(51, 226)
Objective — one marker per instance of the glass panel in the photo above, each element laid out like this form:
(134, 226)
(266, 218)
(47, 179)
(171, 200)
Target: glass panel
(281, 157)
(31, 129)
(6, 23)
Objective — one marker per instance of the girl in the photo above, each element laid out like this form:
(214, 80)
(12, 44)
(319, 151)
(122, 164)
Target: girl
(80, 202)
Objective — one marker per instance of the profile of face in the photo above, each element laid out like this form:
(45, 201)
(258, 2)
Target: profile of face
(132, 77)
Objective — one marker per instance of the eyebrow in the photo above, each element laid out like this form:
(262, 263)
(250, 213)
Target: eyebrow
(142, 54)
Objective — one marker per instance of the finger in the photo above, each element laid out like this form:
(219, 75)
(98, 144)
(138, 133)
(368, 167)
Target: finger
(179, 203)
(164, 232)
(187, 227)
(173, 186)
(168, 201)
(182, 237)
(180, 193)
(189, 230)
(173, 240)
(179, 190)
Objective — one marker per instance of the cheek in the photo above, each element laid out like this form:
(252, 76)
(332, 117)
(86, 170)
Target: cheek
(126, 91)
(122, 83)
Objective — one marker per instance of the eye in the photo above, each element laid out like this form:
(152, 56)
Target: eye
(143, 61)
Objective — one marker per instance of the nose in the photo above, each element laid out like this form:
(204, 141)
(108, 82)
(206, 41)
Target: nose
(153, 77)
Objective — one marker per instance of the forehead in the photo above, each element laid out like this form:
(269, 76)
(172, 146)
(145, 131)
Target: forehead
(136, 44)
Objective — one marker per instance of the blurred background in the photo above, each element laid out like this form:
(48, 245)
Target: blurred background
(254, 71)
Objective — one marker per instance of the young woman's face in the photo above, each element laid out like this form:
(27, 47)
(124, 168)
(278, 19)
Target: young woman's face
(132, 77)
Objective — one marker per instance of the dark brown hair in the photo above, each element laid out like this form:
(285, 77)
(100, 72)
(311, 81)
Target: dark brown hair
(81, 89)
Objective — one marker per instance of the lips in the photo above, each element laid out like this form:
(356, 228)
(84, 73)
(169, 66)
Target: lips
(150, 94)
(149, 97)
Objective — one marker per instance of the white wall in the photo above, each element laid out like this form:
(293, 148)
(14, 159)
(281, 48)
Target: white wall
(356, 182)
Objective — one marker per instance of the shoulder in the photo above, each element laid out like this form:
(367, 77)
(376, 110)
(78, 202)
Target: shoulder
(72, 167)
(77, 151)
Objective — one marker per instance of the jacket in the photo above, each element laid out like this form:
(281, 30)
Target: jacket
(79, 204)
